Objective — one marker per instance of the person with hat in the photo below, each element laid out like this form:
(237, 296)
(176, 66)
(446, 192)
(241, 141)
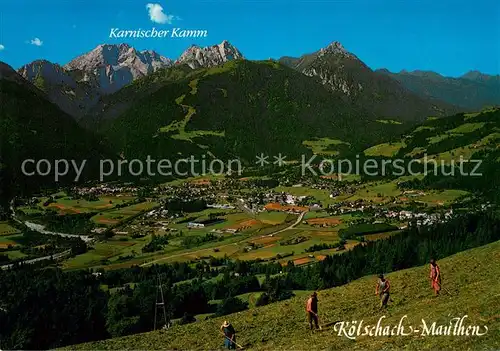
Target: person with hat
(312, 310)
(382, 290)
(229, 335)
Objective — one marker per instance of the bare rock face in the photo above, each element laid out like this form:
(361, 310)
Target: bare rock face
(334, 66)
(336, 48)
(62, 87)
(196, 57)
(46, 72)
(112, 67)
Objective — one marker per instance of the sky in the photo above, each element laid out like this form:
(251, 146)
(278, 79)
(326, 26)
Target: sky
(450, 37)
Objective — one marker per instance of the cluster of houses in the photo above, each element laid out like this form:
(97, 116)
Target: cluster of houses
(226, 230)
(420, 218)
(105, 189)
(259, 200)
(204, 223)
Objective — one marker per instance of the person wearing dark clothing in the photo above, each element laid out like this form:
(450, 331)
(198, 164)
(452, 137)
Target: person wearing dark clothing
(229, 335)
(312, 310)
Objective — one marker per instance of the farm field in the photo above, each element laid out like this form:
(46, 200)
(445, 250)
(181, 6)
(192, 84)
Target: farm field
(323, 222)
(283, 244)
(5, 241)
(122, 245)
(195, 180)
(386, 149)
(230, 245)
(378, 192)
(323, 146)
(439, 198)
(105, 251)
(274, 206)
(67, 205)
(271, 217)
(384, 192)
(15, 255)
(467, 128)
(115, 216)
(320, 194)
(466, 152)
(379, 236)
(315, 214)
(7, 229)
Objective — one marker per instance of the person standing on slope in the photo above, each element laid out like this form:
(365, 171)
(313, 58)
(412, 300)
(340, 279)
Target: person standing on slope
(435, 276)
(229, 335)
(312, 310)
(382, 290)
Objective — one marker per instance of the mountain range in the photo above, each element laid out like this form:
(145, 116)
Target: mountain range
(474, 90)
(118, 100)
(77, 86)
(82, 86)
(343, 72)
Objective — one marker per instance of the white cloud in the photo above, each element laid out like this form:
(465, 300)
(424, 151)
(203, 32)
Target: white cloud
(2, 47)
(157, 15)
(36, 42)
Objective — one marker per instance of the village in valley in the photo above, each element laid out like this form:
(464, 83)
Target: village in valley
(281, 219)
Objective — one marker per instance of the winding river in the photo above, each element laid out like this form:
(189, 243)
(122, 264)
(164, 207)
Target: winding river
(41, 229)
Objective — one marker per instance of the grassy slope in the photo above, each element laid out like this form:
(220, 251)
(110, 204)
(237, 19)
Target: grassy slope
(471, 277)
(446, 138)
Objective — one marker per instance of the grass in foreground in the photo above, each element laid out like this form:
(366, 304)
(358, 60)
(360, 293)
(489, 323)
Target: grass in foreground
(472, 288)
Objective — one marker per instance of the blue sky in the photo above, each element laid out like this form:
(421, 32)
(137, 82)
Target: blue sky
(449, 37)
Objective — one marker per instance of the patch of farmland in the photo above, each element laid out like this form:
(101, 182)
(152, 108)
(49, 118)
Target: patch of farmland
(7, 229)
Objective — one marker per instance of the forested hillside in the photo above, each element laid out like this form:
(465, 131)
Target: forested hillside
(471, 91)
(239, 109)
(31, 127)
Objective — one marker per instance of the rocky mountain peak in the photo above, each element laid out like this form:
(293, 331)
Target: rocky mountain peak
(104, 54)
(77, 86)
(335, 45)
(472, 75)
(481, 77)
(422, 74)
(67, 89)
(196, 57)
(335, 48)
(112, 66)
(51, 73)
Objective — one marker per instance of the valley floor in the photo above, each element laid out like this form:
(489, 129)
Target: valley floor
(471, 287)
